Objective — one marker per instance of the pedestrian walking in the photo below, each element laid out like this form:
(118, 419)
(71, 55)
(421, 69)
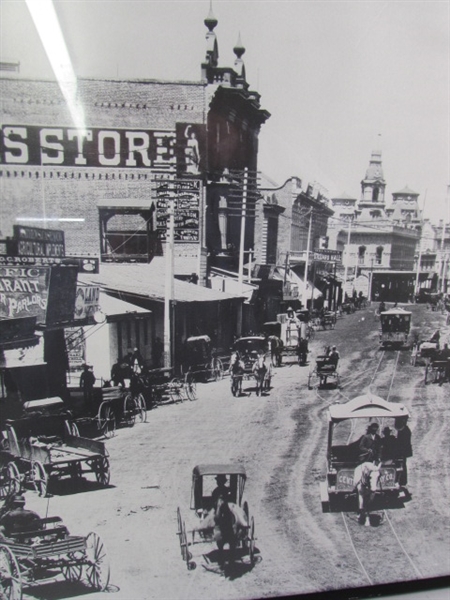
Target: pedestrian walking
(404, 446)
(87, 381)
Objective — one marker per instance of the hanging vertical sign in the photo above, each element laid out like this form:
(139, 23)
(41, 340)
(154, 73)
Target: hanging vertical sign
(186, 196)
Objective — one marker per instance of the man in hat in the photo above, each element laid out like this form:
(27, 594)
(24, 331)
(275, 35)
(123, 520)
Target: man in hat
(222, 490)
(87, 381)
(18, 518)
(370, 444)
(388, 445)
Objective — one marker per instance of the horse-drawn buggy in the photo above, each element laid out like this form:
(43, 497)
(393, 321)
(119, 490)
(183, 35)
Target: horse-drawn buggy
(221, 516)
(46, 447)
(34, 550)
(395, 327)
(200, 359)
(325, 369)
(347, 450)
(251, 359)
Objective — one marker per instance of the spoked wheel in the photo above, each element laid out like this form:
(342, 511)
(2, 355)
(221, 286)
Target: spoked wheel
(141, 408)
(11, 480)
(251, 541)
(97, 567)
(39, 477)
(106, 420)
(175, 387)
(129, 410)
(101, 470)
(72, 572)
(10, 579)
(190, 387)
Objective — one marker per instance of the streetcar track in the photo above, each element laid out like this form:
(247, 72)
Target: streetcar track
(393, 558)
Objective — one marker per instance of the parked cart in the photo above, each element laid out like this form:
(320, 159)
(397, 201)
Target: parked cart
(43, 448)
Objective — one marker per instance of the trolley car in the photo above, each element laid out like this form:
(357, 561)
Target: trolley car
(347, 423)
(395, 327)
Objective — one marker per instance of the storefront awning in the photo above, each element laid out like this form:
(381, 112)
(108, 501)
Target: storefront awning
(114, 308)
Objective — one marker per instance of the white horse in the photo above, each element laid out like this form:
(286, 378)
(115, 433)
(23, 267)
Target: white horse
(365, 480)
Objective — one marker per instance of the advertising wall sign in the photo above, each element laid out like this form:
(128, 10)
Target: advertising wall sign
(86, 301)
(326, 255)
(35, 242)
(185, 195)
(181, 148)
(24, 292)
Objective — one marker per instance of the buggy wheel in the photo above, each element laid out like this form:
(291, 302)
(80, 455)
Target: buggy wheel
(12, 480)
(251, 541)
(101, 470)
(190, 387)
(10, 579)
(175, 393)
(141, 408)
(39, 477)
(75, 430)
(106, 420)
(97, 565)
(129, 410)
(72, 572)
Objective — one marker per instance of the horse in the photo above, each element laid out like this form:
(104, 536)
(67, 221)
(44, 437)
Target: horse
(260, 370)
(231, 526)
(237, 369)
(365, 479)
(276, 350)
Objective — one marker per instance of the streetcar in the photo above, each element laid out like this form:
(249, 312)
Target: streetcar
(395, 327)
(347, 423)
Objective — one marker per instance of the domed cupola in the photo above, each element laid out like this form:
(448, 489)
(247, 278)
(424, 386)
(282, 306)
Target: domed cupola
(212, 48)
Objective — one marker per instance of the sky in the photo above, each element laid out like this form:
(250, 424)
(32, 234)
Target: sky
(340, 78)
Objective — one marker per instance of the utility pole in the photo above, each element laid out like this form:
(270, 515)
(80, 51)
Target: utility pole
(443, 261)
(242, 240)
(168, 289)
(307, 255)
(347, 257)
(416, 286)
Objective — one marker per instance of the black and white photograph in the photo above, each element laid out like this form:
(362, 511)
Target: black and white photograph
(224, 299)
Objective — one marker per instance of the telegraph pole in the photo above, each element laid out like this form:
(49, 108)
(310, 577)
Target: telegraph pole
(242, 240)
(416, 286)
(168, 290)
(347, 257)
(307, 255)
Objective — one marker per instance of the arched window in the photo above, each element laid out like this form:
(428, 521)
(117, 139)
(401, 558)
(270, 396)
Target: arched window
(375, 194)
(361, 255)
(379, 255)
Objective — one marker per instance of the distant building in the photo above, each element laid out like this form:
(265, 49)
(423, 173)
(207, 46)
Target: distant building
(379, 242)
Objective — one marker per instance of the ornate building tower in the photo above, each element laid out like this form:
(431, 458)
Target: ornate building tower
(372, 203)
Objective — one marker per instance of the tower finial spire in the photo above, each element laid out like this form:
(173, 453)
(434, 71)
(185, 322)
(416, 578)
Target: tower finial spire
(239, 66)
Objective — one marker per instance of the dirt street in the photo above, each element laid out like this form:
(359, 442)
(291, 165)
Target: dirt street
(280, 438)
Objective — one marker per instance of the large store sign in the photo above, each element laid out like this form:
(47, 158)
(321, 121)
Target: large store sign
(182, 148)
(47, 293)
(24, 292)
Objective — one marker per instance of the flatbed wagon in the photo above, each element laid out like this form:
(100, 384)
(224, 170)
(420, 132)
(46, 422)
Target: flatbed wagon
(43, 448)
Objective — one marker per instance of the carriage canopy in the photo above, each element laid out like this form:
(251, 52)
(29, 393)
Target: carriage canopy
(203, 482)
(366, 406)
